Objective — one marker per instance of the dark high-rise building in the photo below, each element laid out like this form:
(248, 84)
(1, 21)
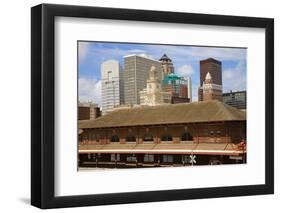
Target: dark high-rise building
(213, 67)
(235, 99)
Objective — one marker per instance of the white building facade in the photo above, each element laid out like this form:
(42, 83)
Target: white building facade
(189, 88)
(112, 85)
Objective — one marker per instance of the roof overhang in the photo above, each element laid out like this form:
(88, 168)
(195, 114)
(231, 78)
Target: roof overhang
(198, 149)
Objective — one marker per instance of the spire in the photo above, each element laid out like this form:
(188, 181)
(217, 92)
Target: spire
(208, 76)
(165, 58)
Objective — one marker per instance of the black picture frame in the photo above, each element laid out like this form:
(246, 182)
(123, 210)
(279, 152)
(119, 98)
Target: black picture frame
(43, 102)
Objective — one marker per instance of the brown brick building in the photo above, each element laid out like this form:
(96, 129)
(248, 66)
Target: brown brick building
(165, 135)
(212, 66)
(88, 111)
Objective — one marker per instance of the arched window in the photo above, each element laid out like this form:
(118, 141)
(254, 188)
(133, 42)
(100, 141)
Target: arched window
(85, 137)
(94, 137)
(166, 137)
(186, 137)
(131, 138)
(114, 138)
(148, 137)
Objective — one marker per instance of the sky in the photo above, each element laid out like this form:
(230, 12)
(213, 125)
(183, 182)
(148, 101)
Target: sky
(185, 59)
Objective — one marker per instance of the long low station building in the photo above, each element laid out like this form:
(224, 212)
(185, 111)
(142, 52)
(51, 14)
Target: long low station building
(198, 133)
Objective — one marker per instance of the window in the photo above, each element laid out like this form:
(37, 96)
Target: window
(186, 158)
(167, 158)
(94, 138)
(148, 137)
(148, 158)
(131, 158)
(85, 137)
(186, 137)
(131, 138)
(166, 138)
(114, 138)
(115, 157)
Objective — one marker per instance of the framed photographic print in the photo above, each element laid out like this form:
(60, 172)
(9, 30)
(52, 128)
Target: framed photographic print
(139, 106)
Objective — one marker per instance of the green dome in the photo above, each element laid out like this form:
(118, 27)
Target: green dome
(171, 77)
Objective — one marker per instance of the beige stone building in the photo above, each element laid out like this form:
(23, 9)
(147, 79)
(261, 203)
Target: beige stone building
(153, 95)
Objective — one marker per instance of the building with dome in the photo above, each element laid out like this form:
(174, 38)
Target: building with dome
(178, 87)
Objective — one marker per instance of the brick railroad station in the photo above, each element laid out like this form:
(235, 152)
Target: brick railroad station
(198, 133)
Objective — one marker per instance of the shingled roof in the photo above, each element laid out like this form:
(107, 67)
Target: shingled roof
(196, 112)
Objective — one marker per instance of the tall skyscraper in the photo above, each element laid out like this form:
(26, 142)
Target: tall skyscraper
(212, 66)
(136, 71)
(112, 83)
(189, 88)
(167, 65)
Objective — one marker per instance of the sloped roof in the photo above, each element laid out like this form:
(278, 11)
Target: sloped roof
(205, 111)
(208, 76)
(165, 58)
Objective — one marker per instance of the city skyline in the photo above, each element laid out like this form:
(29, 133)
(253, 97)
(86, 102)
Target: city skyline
(185, 59)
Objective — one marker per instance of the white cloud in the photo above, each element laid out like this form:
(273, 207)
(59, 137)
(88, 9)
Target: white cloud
(136, 51)
(200, 53)
(83, 49)
(89, 90)
(218, 53)
(234, 79)
(185, 70)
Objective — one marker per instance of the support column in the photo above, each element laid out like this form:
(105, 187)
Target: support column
(115, 157)
(96, 160)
